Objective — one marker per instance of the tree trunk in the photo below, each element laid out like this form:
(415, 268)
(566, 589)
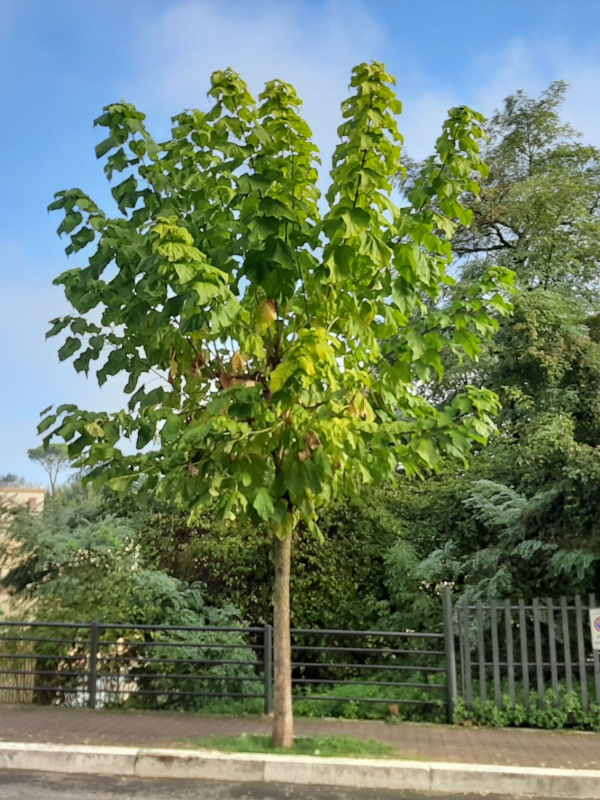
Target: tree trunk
(283, 724)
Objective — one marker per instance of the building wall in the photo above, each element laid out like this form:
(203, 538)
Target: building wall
(11, 497)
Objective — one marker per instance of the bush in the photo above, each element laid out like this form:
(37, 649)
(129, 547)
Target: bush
(331, 702)
(557, 710)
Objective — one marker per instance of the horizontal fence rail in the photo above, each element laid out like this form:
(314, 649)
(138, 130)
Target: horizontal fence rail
(189, 668)
(393, 668)
(520, 652)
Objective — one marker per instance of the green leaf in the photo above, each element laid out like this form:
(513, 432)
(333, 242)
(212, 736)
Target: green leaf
(80, 239)
(340, 261)
(71, 221)
(70, 346)
(468, 341)
(252, 182)
(153, 398)
(82, 362)
(46, 423)
(107, 144)
(186, 272)
(171, 428)
(121, 484)
(271, 207)
(57, 326)
(356, 220)
(94, 429)
(417, 343)
(263, 504)
(145, 434)
(206, 292)
(428, 451)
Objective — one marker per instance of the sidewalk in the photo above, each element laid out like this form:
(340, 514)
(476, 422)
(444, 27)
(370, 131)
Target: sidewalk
(431, 743)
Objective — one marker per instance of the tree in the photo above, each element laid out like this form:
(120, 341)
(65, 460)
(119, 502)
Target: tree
(53, 459)
(270, 349)
(539, 208)
(538, 213)
(11, 479)
(76, 561)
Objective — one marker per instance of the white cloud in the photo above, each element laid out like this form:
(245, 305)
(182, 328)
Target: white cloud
(529, 65)
(314, 48)
(532, 66)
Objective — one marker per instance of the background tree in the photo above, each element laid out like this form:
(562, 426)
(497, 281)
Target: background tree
(336, 582)
(54, 460)
(525, 515)
(11, 479)
(539, 208)
(271, 351)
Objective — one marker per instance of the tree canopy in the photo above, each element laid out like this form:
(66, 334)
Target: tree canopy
(530, 499)
(269, 348)
(54, 460)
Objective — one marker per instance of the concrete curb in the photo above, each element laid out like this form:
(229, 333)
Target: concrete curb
(305, 770)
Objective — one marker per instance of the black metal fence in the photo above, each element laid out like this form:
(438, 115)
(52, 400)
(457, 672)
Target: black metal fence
(518, 652)
(97, 664)
(500, 652)
(143, 666)
(405, 668)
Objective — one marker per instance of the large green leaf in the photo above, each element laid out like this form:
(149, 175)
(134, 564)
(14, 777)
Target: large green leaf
(263, 503)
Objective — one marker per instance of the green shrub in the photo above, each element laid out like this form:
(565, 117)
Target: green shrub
(331, 702)
(557, 710)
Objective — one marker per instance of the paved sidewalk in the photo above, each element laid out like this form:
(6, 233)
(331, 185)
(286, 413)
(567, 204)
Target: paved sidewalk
(439, 743)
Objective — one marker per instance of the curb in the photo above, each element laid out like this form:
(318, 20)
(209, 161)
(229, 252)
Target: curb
(305, 770)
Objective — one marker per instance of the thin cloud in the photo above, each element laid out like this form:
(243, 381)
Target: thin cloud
(532, 65)
(314, 48)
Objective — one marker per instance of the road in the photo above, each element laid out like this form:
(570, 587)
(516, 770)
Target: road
(41, 786)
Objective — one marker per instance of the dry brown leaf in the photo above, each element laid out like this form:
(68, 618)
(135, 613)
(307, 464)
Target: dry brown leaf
(238, 362)
(312, 441)
(227, 380)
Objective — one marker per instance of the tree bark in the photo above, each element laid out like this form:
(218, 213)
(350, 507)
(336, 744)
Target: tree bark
(283, 723)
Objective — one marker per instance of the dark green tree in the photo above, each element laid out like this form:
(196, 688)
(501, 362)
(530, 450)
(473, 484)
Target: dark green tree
(539, 208)
(531, 497)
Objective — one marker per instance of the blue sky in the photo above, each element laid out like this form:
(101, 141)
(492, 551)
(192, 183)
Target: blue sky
(62, 61)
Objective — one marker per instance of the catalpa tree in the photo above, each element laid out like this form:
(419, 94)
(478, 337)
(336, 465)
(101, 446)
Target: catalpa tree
(273, 343)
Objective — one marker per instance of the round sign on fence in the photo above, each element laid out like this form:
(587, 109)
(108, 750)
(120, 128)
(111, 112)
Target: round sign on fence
(595, 627)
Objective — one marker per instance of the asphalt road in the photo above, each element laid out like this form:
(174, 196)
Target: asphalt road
(43, 786)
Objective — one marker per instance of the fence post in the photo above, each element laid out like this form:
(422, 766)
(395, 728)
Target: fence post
(451, 687)
(268, 666)
(93, 665)
(595, 655)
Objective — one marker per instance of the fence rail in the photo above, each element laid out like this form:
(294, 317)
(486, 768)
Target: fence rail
(510, 650)
(109, 664)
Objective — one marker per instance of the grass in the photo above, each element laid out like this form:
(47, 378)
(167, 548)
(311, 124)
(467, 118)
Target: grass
(303, 746)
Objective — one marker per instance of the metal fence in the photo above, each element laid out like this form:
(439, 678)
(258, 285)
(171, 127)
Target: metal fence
(517, 652)
(500, 652)
(177, 667)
